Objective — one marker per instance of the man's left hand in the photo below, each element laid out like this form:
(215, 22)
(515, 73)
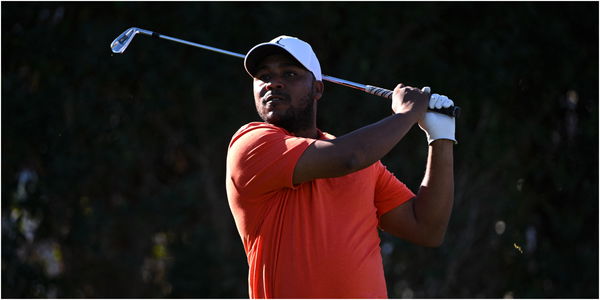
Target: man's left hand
(436, 125)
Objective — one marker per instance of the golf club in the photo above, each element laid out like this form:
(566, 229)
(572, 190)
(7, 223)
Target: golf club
(122, 41)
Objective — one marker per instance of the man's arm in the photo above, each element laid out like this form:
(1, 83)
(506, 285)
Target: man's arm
(365, 146)
(424, 219)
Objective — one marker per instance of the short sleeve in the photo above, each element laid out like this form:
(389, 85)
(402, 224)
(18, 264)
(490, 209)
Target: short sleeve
(262, 158)
(389, 191)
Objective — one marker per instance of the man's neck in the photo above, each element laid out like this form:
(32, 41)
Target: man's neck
(311, 133)
(311, 130)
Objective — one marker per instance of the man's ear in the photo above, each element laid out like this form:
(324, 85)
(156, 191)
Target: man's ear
(318, 88)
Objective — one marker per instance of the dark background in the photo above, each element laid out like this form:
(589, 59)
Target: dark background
(113, 165)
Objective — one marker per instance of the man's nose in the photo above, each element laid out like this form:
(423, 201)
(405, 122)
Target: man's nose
(274, 84)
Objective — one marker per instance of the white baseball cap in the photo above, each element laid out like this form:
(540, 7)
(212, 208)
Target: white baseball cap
(297, 48)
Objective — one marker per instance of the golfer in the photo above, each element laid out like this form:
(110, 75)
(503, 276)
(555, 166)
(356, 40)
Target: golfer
(307, 204)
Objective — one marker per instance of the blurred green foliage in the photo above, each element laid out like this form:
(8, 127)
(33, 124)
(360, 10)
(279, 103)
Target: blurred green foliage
(113, 165)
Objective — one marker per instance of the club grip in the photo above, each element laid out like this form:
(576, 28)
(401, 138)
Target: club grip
(377, 91)
(452, 111)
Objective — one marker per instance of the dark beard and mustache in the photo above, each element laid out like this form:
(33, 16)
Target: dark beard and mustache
(295, 119)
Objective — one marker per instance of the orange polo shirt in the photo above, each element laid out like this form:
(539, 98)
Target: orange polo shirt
(318, 239)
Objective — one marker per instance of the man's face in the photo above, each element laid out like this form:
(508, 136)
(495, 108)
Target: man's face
(284, 93)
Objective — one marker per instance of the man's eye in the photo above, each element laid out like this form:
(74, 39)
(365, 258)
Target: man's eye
(264, 77)
(291, 74)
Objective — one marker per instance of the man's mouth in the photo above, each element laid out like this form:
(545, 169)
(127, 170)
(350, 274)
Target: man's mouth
(274, 98)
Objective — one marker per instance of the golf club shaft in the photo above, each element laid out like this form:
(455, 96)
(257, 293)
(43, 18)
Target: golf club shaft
(121, 42)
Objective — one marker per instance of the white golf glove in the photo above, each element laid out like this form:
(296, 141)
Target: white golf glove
(438, 126)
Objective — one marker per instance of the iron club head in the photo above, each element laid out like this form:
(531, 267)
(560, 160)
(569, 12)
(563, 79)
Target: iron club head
(122, 41)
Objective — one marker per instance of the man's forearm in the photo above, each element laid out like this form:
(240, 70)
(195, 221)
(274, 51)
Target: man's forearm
(365, 146)
(435, 198)
(370, 143)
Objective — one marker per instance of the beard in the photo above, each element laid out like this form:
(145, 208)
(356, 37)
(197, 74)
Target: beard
(294, 119)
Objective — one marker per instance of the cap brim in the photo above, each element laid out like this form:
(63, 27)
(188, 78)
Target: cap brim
(258, 53)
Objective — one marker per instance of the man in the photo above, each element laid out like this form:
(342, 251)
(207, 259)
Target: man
(307, 205)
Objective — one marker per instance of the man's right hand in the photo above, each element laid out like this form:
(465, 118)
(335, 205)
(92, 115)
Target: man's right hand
(408, 99)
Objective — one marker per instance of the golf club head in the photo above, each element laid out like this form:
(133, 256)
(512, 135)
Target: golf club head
(122, 41)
